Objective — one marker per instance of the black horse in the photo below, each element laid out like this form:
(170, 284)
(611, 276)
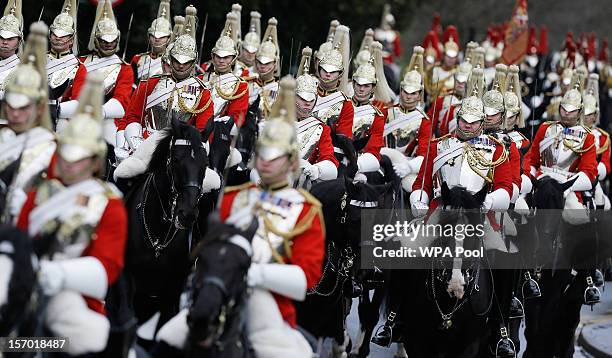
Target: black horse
(552, 318)
(162, 208)
(434, 323)
(20, 300)
(342, 202)
(217, 292)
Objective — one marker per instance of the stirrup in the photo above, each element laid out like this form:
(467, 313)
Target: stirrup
(384, 334)
(505, 347)
(530, 288)
(592, 295)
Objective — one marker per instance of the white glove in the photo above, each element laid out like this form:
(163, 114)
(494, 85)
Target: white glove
(526, 185)
(312, 172)
(68, 109)
(360, 178)
(242, 218)
(601, 171)
(51, 277)
(255, 275)
(419, 203)
(367, 163)
(402, 169)
(18, 198)
(113, 109)
(133, 136)
(497, 200)
(175, 331)
(582, 182)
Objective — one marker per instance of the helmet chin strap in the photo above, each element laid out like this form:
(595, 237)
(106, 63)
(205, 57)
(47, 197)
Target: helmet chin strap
(465, 135)
(181, 75)
(104, 53)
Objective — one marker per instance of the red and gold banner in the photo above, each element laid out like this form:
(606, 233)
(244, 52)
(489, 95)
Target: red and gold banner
(516, 37)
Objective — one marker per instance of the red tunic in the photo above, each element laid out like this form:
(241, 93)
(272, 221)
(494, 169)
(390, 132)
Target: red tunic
(376, 141)
(238, 107)
(308, 251)
(502, 176)
(107, 244)
(585, 162)
(604, 156)
(325, 149)
(344, 124)
(135, 112)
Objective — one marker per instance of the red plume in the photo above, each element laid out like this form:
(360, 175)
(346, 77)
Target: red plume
(591, 45)
(451, 32)
(532, 47)
(543, 40)
(431, 40)
(603, 52)
(435, 23)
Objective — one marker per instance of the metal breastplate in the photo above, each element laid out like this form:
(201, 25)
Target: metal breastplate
(362, 121)
(447, 78)
(282, 208)
(309, 133)
(399, 136)
(160, 115)
(148, 67)
(3, 76)
(61, 78)
(268, 96)
(73, 233)
(328, 108)
(225, 85)
(560, 154)
(455, 169)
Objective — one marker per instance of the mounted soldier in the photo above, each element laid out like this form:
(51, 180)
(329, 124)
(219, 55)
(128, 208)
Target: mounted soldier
(178, 94)
(149, 64)
(82, 223)
(11, 40)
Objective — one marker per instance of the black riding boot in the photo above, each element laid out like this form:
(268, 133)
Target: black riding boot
(384, 334)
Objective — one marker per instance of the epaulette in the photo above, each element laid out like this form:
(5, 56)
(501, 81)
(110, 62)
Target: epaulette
(315, 209)
(249, 78)
(440, 138)
(422, 112)
(377, 110)
(110, 190)
(230, 189)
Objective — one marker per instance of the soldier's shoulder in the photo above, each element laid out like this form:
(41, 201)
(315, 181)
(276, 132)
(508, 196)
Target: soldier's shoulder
(309, 198)
(237, 188)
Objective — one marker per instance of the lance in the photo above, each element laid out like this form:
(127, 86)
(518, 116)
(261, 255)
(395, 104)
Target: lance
(41, 12)
(127, 36)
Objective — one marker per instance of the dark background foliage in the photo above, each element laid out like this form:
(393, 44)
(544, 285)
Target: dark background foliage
(306, 22)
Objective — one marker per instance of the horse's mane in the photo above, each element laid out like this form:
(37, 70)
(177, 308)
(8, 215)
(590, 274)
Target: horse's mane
(178, 130)
(458, 197)
(548, 194)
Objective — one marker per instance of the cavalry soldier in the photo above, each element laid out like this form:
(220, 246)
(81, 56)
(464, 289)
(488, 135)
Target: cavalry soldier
(82, 220)
(267, 67)
(333, 106)
(443, 75)
(316, 152)
(27, 142)
(230, 93)
(402, 134)
(177, 94)
(11, 36)
(66, 74)
(118, 75)
(288, 246)
(245, 66)
(369, 120)
(450, 156)
(590, 119)
(148, 64)
(565, 150)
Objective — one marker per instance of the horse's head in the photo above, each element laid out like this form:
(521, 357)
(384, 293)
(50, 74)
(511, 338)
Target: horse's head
(548, 193)
(219, 285)
(17, 277)
(346, 145)
(181, 155)
(458, 197)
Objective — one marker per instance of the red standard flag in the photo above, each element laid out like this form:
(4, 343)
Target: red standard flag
(516, 37)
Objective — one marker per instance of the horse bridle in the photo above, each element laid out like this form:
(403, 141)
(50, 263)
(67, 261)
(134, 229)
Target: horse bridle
(190, 184)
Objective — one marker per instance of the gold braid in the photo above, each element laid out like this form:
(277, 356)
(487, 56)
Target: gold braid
(232, 96)
(478, 162)
(606, 145)
(183, 106)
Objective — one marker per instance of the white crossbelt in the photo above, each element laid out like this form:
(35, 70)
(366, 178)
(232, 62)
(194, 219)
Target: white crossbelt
(99, 63)
(58, 64)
